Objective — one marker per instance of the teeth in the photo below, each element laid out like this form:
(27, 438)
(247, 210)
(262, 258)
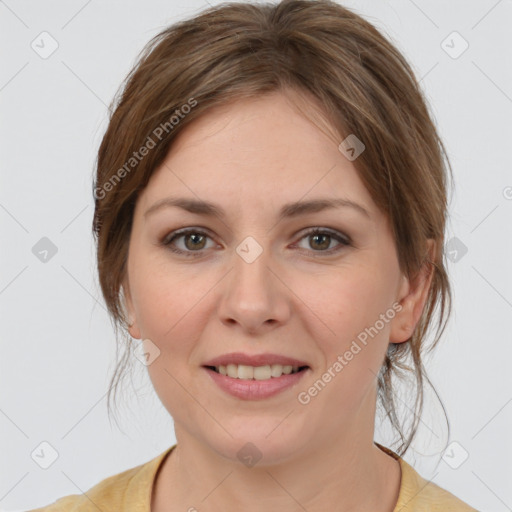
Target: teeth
(244, 372)
(262, 372)
(276, 370)
(287, 369)
(232, 370)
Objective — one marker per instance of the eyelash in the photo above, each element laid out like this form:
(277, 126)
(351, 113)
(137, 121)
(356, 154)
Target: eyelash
(344, 241)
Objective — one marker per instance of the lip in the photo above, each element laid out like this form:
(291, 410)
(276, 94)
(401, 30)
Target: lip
(254, 360)
(255, 389)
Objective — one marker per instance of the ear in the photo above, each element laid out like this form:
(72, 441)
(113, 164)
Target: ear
(412, 297)
(127, 303)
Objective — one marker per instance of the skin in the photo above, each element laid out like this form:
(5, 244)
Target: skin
(250, 158)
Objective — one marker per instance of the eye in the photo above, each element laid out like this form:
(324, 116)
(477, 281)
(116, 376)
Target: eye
(194, 241)
(320, 240)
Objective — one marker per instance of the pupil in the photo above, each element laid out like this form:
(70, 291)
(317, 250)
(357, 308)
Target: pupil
(194, 237)
(325, 237)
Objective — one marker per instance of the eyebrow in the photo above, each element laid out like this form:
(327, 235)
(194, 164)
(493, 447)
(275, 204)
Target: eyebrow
(287, 211)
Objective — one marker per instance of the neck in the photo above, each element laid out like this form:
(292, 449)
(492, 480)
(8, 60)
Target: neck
(351, 472)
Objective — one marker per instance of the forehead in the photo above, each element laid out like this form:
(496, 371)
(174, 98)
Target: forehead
(256, 150)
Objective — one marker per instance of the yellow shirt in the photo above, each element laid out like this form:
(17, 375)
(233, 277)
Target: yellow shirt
(130, 491)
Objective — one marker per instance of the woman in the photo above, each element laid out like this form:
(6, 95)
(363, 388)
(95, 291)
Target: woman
(270, 205)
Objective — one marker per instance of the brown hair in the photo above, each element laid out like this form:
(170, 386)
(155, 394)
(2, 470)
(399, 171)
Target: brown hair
(338, 60)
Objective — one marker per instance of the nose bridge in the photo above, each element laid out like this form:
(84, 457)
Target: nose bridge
(251, 273)
(253, 295)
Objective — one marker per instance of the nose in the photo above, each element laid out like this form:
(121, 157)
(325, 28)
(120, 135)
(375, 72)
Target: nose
(253, 296)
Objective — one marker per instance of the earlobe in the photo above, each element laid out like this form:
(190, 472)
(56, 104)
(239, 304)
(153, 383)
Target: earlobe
(134, 331)
(400, 327)
(129, 312)
(412, 297)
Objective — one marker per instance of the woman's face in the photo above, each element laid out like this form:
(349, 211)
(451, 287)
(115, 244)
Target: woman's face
(254, 281)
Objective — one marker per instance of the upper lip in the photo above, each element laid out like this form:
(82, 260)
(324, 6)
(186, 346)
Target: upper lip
(254, 360)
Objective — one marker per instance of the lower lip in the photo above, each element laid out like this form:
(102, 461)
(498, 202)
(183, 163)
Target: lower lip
(255, 389)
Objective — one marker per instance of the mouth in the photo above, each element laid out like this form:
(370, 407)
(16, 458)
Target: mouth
(255, 376)
(265, 372)
(255, 382)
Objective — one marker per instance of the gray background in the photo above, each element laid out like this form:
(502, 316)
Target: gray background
(58, 350)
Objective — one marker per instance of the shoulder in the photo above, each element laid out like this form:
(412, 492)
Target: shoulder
(131, 487)
(418, 494)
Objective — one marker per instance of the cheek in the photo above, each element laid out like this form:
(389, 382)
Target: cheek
(351, 300)
(172, 315)
(173, 307)
(166, 298)
(356, 305)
